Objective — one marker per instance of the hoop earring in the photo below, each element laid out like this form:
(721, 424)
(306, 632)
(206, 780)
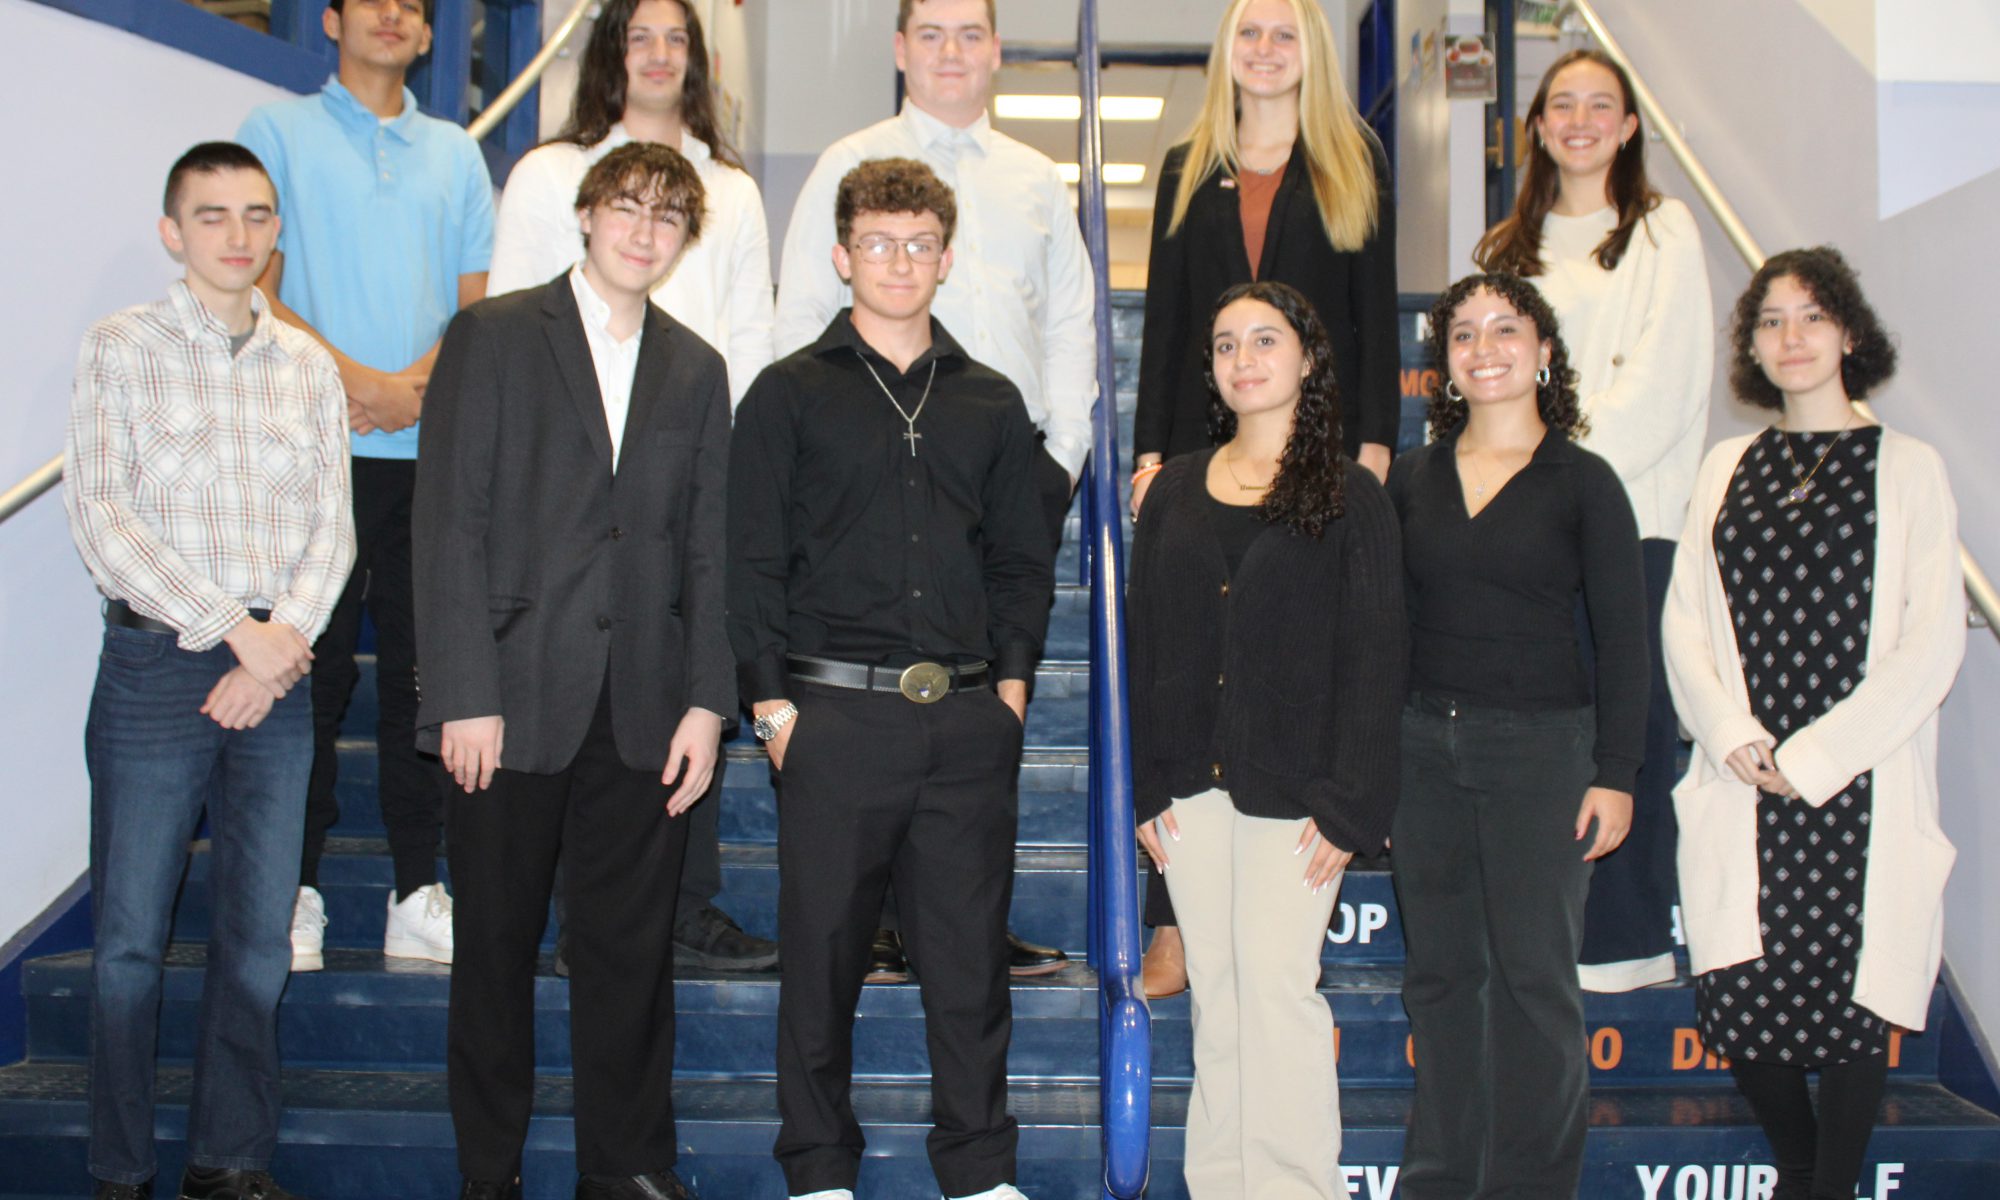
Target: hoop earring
(1451, 392)
(1542, 377)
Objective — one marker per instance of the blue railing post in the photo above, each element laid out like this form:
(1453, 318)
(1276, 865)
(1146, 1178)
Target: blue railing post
(1125, 1066)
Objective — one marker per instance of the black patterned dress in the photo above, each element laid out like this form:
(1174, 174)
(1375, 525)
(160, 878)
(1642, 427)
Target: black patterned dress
(1799, 574)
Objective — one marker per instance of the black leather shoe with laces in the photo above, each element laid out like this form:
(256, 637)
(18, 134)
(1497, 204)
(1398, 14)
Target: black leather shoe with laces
(1025, 958)
(886, 961)
(123, 1191)
(198, 1183)
(654, 1185)
(486, 1189)
(709, 938)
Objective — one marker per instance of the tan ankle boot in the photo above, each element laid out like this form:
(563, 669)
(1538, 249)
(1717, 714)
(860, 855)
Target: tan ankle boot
(1165, 965)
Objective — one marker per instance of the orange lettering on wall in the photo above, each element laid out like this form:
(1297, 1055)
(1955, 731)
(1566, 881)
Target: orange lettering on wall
(1336, 1045)
(1419, 381)
(1687, 1050)
(1895, 1048)
(1410, 1050)
(1607, 1047)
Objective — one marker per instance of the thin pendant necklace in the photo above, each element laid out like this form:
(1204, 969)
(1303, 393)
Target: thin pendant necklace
(909, 418)
(1803, 487)
(1238, 480)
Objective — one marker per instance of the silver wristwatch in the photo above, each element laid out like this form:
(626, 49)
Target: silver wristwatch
(769, 727)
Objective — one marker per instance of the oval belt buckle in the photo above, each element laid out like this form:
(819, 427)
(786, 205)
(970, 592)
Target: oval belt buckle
(925, 682)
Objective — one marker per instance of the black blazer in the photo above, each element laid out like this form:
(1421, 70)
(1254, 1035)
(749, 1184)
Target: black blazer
(537, 570)
(1283, 684)
(1353, 291)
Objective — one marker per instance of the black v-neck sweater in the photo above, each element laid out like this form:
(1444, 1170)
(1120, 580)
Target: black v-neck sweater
(1280, 682)
(1493, 597)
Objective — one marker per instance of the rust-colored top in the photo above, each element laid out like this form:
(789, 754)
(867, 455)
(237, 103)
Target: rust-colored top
(1255, 193)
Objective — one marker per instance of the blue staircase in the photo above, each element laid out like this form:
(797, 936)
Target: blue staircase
(364, 1039)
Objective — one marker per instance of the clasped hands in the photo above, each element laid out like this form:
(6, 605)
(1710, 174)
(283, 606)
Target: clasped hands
(470, 749)
(385, 401)
(271, 656)
(1756, 763)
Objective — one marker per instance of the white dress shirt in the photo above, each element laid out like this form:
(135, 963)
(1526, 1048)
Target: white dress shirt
(1021, 295)
(721, 288)
(616, 361)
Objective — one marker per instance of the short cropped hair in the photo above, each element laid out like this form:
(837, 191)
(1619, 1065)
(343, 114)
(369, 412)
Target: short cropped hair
(892, 185)
(905, 9)
(209, 158)
(429, 5)
(1825, 275)
(646, 173)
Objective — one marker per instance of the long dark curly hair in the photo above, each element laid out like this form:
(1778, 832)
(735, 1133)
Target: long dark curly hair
(1556, 399)
(1310, 489)
(1824, 273)
(599, 102)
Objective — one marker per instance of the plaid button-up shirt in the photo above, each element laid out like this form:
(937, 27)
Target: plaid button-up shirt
(201, 483)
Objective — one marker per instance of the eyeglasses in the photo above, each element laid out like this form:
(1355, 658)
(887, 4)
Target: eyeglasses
(879, 249)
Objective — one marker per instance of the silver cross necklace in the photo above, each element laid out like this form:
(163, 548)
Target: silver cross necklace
(909, 418)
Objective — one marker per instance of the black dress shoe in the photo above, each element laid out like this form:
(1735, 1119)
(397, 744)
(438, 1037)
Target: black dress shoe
(654, 1185)
(709, 938)
(198, 1183)
(1026, 958)
(886, 961)
(123, 1191)
(486, 1189)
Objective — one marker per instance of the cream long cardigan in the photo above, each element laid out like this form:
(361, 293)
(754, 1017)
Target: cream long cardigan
(1887, 724)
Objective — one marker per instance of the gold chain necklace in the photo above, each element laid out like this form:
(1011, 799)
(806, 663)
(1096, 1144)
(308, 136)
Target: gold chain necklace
(1242, 486)
(1803, 488)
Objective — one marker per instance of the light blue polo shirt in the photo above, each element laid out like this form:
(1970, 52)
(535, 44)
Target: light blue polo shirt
(380, 220)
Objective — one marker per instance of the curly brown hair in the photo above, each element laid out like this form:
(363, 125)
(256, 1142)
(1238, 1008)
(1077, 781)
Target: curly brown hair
(1825, 274)
(1310, 489)
(646, 172)
(1556, 399)
(892, 185)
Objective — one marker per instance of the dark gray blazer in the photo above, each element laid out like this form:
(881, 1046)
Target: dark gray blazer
(537, 570)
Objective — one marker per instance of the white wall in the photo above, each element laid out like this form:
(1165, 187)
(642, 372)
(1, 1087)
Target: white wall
(1440, 150)
(77, 234)
(1792, 139)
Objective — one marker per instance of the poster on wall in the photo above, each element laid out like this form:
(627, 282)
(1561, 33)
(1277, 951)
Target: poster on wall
(1470, 69)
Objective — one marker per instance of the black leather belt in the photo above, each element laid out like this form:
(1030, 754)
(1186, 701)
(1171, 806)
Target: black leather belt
(924, 682)
(119, 613)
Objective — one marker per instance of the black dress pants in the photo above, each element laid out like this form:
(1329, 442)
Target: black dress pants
(412, 806)
(622, 864)
(1491, 881)
(877, 788)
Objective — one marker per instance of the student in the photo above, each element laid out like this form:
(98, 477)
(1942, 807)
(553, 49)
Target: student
(1278, 180)
(1021, 294)
(1517, 758)
(391, 226)
(905, 672)
(1264, 762)
(206, 485)
(645, 78)
(1622, 267)
(1811, 967)
(576, 668)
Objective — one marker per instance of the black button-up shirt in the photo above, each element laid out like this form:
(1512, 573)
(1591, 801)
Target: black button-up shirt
(844, 545)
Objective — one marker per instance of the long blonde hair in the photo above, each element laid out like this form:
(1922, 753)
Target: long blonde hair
(1339, 157)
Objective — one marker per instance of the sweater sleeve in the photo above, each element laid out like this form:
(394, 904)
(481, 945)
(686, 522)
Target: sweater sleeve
(1377, 393)
(1142, 594)
(1355, 811)
(1660, 391)
(1908, 683)
(1166, 324)
(1614, 594)
(1720, 722)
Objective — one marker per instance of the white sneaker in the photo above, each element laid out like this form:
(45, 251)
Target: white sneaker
(833, 1194)
(308, 930)
(1005, 1191)
(419, 925)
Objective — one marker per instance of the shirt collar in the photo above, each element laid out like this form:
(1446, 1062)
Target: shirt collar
(596, 311)
(932, 133)
(692, 148)
(199, 324)
(350, 112)
(841, 335)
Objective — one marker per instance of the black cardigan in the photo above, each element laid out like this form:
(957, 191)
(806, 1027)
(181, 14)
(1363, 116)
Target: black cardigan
(1283, 685)
(1354, 293)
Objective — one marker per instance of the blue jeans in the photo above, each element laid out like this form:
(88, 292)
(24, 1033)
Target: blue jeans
(155, 761)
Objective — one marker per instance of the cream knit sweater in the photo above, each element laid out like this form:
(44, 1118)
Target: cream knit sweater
(1642, 340)
(1888, 724)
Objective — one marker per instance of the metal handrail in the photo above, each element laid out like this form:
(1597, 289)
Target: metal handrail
(49, 473)
(1978, 587)
(1125, 1024)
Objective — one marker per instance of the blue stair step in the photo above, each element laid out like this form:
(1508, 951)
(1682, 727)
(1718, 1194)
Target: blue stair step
(349, 1136)
(367, 1013)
